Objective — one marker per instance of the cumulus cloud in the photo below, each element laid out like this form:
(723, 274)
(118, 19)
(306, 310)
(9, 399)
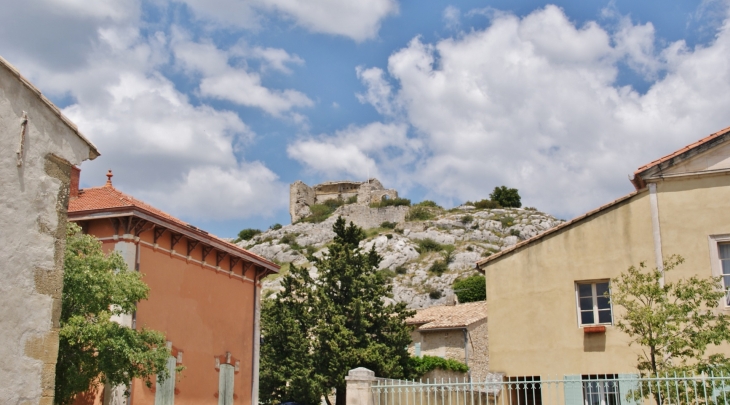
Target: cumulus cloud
(534, 103)
(375, 149)
(180, 156)
(223, 81)
(358, 20)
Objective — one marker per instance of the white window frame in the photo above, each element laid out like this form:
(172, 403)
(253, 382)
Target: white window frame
(715, 265)
(595, 303)
(601, 382)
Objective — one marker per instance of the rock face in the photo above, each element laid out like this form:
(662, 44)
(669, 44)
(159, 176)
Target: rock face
(469, 234)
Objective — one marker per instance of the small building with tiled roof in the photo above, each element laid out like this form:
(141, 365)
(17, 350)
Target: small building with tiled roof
(457, 332)
(204, 295)
(548, 314)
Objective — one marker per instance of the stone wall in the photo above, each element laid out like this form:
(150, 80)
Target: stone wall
(366, 217)
(33, 203)
(301, 197)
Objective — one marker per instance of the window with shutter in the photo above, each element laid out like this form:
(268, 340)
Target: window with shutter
(165, 391)
(225, 384)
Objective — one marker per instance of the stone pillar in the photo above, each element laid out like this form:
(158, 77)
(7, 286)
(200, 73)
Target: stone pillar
(359, 381)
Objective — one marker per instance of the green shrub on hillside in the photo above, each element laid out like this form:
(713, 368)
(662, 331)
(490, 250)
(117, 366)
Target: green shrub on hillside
(438, 267)
(388, 225)
(471, 289)
(392, 202)
(419, 213)
(486, 204)
(506, 197)
(247, 234)
(428, 203)
(275, 227)
(320, 212)
(428, 245)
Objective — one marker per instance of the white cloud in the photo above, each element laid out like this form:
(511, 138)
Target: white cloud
(358, 20)
(221, 80)
(181, 157)
(357, 152)
(533, 103)
(452, 16)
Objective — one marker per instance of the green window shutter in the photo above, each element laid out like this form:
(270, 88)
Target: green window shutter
(418, 349)
(225, 385)
(626, 384)
(165, 391)
(573, 390)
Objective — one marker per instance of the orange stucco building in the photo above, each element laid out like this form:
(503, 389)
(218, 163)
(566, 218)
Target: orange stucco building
(204, 296)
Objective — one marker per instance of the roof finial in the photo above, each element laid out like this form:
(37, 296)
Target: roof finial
(109, 176)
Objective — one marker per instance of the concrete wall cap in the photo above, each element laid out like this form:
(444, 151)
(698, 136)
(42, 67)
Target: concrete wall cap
(360, 373)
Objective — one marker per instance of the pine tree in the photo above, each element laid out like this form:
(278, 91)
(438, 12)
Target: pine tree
(316, 330)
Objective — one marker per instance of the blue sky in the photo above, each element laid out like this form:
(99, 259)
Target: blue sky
(209, 109)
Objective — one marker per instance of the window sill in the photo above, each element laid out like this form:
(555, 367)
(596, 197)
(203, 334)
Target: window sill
(594, 329)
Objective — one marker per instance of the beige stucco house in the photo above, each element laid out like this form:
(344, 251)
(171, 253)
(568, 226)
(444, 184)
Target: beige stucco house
(457, 332)
(39, 148)
(547, 316)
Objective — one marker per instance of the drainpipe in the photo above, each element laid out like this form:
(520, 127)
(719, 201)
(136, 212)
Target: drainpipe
(656, 231)
(256, 337)
(466, 351)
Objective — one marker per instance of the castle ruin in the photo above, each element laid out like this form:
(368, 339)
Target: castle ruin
(302, 196)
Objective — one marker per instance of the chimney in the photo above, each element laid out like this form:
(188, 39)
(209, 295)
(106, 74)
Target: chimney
(74, 184)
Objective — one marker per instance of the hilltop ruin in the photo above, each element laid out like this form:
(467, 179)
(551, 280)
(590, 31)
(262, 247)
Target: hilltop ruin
(302, 196)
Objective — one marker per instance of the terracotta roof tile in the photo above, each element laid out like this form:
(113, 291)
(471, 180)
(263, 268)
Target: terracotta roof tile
(107, 197)
(685, 149)
(449, 316)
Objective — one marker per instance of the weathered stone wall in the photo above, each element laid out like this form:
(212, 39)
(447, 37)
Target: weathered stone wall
(301, 197)
(366, 217)
(33, 202)
(478, 350)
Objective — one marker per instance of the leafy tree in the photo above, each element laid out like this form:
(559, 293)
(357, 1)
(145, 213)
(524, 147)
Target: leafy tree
(471, 289)
(674, 322)
(316, 330)
(248, 233)
(93, 349)
(506, 197)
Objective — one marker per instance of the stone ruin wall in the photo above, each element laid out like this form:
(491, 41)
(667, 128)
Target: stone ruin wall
(302, 196)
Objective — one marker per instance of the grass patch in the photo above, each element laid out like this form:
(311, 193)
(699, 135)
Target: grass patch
(428, 245)
(419, 213)
(351, 200)
(428, 203)
(386, 274)
(321, 212)
(401, 270)
(466, 219)
(506, 221)
(388, 225)
(275, 227)
(438, 267)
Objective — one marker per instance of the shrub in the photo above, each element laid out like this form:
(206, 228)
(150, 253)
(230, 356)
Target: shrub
(421, 365)
(486, 204)
(386, 274)
(515, 232)
(466, 219)
(388, 225)
(351, 200)
(392, 202)
(275, 227)
(470, 248)
(487, 253)
(506, 197)
(428, 245)
(288, 238)
(320, 212)
(531, 208)
(419, 213)
(471, 289)
(438, 267)
(247, 234)
(448, 253)
(401, 269)
(389, 235)
(435, 294)
(428, 203)
(507, 221)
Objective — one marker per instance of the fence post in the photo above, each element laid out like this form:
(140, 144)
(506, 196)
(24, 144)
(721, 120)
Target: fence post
(359, 381)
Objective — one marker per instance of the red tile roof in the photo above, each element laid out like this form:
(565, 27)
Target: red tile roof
(681, 151)
(108, 198)
(449, 316)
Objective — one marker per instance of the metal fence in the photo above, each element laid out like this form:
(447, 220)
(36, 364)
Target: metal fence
(611, 389)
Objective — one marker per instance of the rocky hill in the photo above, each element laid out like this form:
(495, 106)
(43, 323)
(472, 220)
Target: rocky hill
(422, 258)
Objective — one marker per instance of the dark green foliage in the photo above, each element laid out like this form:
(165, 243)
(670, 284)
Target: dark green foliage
(275, 227)
(388, 225)
(247, 234)
(531, 208)
(419, 213)
(515, 232)
(386, 274)
(422, 365)
(315, 331)
(351, 200)
(392, 202)
(471, 289)
(92, 347)
(673, 323)
(435, 294)
(466, 219)
(486, 204)
(486, 253)
(438, 267)
(470, 248)
(506, 197)
(428, 245)
(401, 269)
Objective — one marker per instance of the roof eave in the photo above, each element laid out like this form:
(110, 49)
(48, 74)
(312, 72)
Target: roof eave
(197, 234)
